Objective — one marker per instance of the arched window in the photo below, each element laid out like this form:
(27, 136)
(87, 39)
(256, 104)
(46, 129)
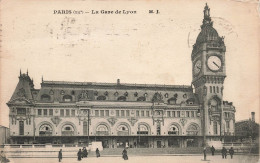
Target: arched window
(210, 89)
(214, 89)
(45, 98)
(121, 98)
(173, 130)
(101, 98)
(45, 130)
(67, 130)
(67, 98)
(142, 98)
(142, 130)
(122, 130)
(217, 89)
(214, 105)
(192, 130)
(102, 130)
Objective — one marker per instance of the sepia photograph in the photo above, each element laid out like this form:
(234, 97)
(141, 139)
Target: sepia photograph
(129, 81)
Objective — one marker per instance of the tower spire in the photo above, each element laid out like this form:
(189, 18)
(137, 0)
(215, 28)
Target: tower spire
(42, 78)
(27, 72)
(20, 72)
(207, 18)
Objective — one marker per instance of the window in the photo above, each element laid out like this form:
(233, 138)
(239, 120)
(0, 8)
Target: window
(142, 113)
(127, 113)
(62, 112)
(39, 111)
(45, 112)
(178, 113)
(172, 101)
(21, 127)
(217, 90)
(67, 112)
(21, 111)
(137, 113)
(142, 130)
(96, 113)
(187, 113)
(214, 89)
(192, 129)
(147, 114)
(117, 113)
(210, 89)
(50, 112)
(73, 112)
(122, 113)
(173, 114)
(173, 130)
(107, 112)
(158, 129)
(102, 113)
(168, 114)
(192, 113)
(228, 124)
(215, 127)
(45, 130)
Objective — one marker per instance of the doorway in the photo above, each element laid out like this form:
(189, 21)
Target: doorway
(159, 144)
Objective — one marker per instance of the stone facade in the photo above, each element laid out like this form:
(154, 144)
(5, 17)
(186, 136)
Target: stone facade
(133, 115)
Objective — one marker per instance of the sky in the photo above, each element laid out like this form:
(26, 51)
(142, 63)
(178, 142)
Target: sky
(135, 48)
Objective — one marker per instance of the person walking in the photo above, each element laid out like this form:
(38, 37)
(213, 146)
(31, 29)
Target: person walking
(79, 155)
(85, 152)
(231, 152)
(205, 153)
(60, 155)
(212, 150)
(97, 153)
(124, 153)
(224, 152)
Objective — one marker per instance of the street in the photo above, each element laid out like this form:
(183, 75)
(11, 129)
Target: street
(142, 159)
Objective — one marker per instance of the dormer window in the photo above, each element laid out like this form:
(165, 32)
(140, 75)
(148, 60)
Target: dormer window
(45, 98)
(172, 101)
(166, 95)
(67, 98)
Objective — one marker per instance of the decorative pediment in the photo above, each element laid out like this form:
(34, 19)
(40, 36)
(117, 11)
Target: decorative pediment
(56, 120)
(132, 120)
(112, 121)
(183, 121)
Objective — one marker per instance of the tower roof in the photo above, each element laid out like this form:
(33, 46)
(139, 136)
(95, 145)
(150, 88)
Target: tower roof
(208, 33)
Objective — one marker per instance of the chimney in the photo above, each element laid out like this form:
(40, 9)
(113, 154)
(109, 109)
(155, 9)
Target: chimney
(118, 81)
(253, 116)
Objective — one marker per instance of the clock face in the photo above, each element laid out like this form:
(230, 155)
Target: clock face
(197, 67)
(214, 63)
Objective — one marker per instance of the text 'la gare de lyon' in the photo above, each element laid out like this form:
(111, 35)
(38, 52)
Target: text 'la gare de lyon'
(94, 12)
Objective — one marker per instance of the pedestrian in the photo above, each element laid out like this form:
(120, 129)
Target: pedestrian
(79, 155)
(97, 153)
(231, 152)
(60, 155)
(85, 152)
(205, 153)
(212, 150)
(224, 152)
(3, 158)
(124, 153)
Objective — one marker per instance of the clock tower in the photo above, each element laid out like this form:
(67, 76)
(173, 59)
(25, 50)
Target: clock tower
(208, 74)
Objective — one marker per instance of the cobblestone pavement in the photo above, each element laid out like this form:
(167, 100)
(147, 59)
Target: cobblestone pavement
(144, 159)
